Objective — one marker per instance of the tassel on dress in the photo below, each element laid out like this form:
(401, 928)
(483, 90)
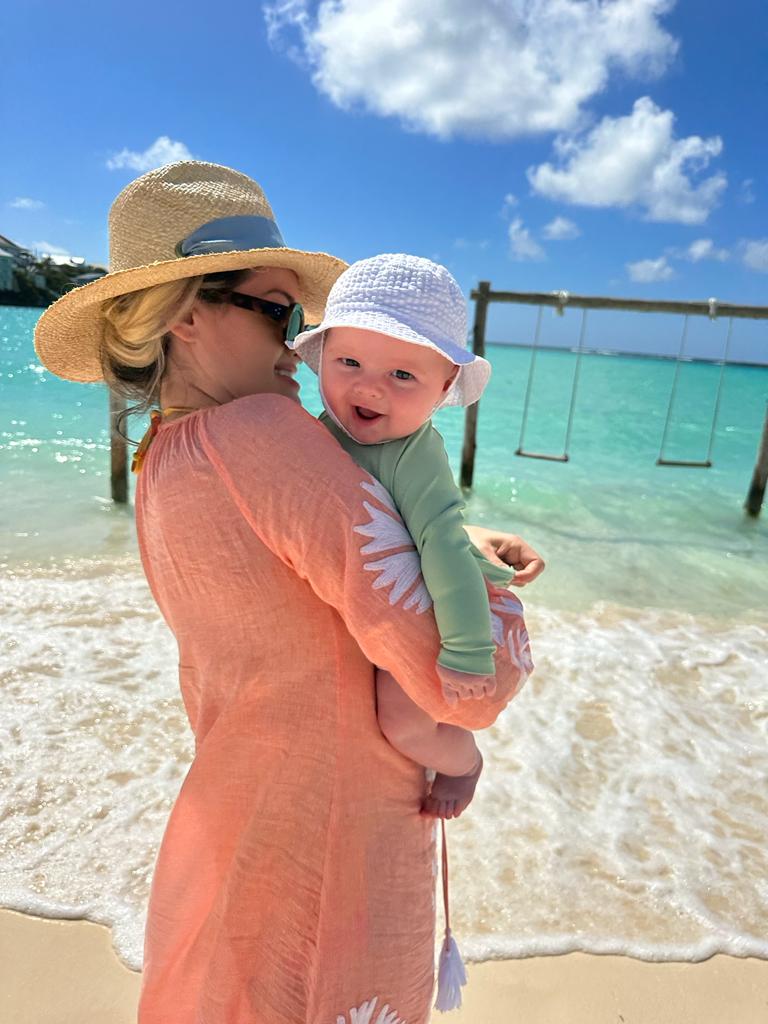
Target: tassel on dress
(139, 455)
(451, 974)
(155, 419)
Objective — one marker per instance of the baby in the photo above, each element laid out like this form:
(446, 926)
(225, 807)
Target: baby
(390, 351)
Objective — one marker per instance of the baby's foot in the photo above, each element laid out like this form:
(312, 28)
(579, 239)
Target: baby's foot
(451, 794)
(464, 685)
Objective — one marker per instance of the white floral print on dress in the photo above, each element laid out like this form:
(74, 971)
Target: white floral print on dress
(402, 569)
(516, 639)
(364, 1015)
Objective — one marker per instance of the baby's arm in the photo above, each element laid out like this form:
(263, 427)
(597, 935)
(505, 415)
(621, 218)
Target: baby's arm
(431, 506)
(324, 517)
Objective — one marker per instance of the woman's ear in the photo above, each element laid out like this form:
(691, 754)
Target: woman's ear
(451, 379)
(186, 329)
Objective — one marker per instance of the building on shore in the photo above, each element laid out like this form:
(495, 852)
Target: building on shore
(7, 263)
(31, 278)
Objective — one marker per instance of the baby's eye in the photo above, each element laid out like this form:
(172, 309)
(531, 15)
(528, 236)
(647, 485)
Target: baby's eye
(404, 375)
(348, 361)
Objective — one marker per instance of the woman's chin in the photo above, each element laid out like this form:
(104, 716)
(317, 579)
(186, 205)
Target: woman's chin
(287, 386)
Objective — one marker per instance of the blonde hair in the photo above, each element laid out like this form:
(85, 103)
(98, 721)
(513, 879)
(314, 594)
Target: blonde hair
(136, 333)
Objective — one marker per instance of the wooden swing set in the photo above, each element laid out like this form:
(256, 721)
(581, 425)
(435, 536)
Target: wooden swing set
(483, 296)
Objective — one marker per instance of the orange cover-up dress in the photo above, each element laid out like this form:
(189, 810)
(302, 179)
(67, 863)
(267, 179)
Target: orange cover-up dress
(295, 882)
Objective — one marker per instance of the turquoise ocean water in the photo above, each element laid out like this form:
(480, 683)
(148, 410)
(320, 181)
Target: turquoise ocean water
(623, 807)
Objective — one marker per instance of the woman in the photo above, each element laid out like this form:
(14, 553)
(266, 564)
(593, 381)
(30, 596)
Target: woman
(295, 881)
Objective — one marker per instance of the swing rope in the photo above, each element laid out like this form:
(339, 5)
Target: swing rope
(661, 461)
(532, 364)
(707, 463)
(574, 386)
(562, 300)
(716, 412)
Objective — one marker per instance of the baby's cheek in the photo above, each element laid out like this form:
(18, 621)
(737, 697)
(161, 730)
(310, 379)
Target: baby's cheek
(412, 413)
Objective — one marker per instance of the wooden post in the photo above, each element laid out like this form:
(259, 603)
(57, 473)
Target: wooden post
(119, 453)
(478, 347)
(754, 501)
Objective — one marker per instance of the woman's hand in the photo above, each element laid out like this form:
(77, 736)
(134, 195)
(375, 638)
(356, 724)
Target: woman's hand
(508, 549)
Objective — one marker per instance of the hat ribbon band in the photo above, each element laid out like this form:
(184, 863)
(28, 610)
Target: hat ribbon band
(232, 234)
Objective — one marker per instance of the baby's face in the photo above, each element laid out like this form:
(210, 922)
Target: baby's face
(381, 388)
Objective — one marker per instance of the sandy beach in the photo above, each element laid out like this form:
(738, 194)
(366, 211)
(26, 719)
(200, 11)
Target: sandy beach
(65, 972)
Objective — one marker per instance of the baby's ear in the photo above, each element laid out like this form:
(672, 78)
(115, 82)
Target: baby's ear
(451, 379)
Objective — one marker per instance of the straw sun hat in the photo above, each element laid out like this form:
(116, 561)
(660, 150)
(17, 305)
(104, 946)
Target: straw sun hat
(409, 298)
(183, 220)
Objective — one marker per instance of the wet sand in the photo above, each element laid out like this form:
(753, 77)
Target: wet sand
(65, 972)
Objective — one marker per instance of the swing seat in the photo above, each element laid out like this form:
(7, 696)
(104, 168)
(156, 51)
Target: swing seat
(541, 455)
(706, 464)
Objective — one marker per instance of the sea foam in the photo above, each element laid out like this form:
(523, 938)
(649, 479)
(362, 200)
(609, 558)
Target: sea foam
(622, 808)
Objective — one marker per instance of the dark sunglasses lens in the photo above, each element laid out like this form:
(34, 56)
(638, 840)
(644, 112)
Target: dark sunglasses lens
(275, 312)
(295, 323)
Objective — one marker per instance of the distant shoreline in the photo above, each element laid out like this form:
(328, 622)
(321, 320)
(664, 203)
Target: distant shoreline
(18, 305)
(559, 348)
(631, 355)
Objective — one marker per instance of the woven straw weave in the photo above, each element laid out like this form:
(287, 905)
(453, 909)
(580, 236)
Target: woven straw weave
(147, 221)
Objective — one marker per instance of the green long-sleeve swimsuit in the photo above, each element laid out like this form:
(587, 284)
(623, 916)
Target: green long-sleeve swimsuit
(416, 472)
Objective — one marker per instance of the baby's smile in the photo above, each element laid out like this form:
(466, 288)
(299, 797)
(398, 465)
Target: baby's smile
(366, 414)
(365, 424)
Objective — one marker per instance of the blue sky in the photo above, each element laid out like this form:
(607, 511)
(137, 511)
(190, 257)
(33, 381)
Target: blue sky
(599, 146)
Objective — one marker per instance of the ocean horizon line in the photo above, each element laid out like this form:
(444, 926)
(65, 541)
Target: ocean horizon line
(567, 348)
(627, 354)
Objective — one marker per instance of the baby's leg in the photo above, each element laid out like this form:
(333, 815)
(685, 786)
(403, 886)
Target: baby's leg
(451, 751)
(450, 795)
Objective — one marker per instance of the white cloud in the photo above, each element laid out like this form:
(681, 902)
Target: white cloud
(56, 254)
(510, 202)
(635, 160)
(492, 69)
(755, 254)
(521, 245)
(49, 249)
(466, 243)
(704, 249)
(560, 229)
(650, 270)
(162, 151)
(747, 195)
(23, 203)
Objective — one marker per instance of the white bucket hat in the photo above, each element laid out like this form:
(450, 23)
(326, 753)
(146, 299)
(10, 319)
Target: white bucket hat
(409, 298)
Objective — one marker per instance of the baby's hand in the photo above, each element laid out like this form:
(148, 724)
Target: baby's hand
(463, 685)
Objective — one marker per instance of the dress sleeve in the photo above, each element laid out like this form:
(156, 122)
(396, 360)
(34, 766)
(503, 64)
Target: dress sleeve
(336, 527)
(432, 508)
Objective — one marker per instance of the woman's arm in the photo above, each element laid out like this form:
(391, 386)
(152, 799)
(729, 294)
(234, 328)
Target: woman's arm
(335, 526)
(508, 549)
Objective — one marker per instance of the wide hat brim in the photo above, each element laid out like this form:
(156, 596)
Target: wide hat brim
(468, 385)
(69, 334)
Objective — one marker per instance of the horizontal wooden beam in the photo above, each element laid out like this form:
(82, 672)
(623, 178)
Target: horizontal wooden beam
(563, 300)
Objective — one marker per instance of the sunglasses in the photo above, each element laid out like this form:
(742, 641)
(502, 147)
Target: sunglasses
(290, 318)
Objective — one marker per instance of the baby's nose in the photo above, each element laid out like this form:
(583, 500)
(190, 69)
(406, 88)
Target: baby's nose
(368, 387)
